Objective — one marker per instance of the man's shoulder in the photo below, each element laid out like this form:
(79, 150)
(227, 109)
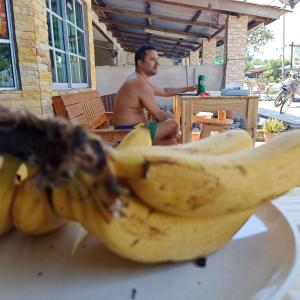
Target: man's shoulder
(138, 83)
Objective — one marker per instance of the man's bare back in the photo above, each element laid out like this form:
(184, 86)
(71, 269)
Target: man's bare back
(128, 108)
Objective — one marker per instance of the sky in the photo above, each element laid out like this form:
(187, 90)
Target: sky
(273, 49)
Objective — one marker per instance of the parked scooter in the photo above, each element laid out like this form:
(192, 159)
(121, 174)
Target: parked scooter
(288, 89)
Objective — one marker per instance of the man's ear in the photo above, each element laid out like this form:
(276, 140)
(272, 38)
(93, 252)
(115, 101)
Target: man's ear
(140, 62)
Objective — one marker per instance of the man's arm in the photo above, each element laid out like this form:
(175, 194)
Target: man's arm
(170, 91)
(146, 96)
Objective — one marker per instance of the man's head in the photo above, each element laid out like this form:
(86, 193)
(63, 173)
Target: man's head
(146, 59)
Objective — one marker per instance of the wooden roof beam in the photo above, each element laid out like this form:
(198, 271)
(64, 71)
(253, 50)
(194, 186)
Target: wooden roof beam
(189, 27)
(162, 38)
(148, 11)
(148, 16)
(107, 18)
(228, 6)
(165, 30)
(159, 42)
(157, 46)
(216, 32)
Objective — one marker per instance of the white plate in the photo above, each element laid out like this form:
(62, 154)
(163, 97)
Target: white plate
(259, 263)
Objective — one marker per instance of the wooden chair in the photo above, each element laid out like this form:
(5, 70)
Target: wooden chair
(87, 109)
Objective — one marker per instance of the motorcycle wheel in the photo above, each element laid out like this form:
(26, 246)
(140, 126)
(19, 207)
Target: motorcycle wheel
(286, 104)
(282, 96)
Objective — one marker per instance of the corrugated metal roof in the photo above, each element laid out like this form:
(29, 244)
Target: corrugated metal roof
(174, 26)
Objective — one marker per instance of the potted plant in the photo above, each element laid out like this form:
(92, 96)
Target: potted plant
(272, 127)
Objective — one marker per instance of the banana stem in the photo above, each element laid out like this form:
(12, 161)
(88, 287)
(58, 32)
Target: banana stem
(57, 147)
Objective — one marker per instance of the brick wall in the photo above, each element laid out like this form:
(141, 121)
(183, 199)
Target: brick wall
(34, 62)
(208, 52)
(194, 58)
(236, 49)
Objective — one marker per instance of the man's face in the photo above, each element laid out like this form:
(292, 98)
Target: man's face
(150, 63)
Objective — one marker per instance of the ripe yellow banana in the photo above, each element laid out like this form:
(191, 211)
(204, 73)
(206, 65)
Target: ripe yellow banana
(136, 137)
(32, 212)
(61, 202)
(225, 142)
(204, 186)
(8, 169)
(145, 235)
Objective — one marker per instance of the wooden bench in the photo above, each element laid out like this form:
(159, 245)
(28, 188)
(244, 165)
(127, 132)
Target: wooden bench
(87, 109)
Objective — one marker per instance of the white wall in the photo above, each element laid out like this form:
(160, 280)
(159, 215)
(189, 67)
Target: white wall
(109, 79)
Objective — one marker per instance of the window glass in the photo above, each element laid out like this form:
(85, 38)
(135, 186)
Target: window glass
(52, 66)
(6, 70)
(61, 67)
(7, 61)
(74, 68)
(72, 39)
(49, 29)
(58, 33)
(67, 43)
(83, 73)
(56, 6)
(3, 21)
(81, 47)
(79, 15)
(70, 11)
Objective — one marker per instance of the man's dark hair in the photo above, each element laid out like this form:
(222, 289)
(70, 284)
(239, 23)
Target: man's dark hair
(140, 53)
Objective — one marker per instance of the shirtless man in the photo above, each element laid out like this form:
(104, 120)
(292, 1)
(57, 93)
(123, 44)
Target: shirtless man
(136, 97)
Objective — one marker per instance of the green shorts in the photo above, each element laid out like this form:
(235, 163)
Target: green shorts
(152, 125)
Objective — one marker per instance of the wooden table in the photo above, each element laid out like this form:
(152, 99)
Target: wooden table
(185, 107)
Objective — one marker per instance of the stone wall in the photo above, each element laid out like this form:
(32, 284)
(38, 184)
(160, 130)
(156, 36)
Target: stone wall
(208, 52)
(31, 33)
(236, 49)
(194, 57)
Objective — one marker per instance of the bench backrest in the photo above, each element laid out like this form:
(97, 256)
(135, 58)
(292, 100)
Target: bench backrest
(86, 108)
(109, 101)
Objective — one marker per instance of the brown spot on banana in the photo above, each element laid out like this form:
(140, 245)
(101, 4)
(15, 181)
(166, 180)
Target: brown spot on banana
(242, 170)
(135, 242)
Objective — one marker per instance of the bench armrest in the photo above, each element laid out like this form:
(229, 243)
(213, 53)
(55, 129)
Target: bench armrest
(109, 114)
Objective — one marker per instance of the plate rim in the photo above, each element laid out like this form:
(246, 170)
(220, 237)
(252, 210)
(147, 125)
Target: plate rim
(283, 289)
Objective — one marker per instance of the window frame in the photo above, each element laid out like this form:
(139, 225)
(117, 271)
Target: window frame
(66, 51)
(12, 41)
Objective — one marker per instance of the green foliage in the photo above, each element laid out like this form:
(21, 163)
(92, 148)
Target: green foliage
(220, 55)
(273, 69)
(4, 57)
(258, 37)
(274, 125)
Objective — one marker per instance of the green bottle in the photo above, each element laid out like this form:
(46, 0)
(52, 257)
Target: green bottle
(201, 84)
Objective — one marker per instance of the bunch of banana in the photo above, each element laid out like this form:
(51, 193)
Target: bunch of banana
(32, 210)
(210, 185)
(225, 142)
(133, 229)
(8, 169)
(136, 231)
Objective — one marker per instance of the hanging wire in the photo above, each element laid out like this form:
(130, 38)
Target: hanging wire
(186, 71)
(209, 19)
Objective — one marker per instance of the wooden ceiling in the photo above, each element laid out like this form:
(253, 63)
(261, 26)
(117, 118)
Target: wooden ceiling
(176, 27)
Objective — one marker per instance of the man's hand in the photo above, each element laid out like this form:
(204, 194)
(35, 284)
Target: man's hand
(194, 87)
(170, 91)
